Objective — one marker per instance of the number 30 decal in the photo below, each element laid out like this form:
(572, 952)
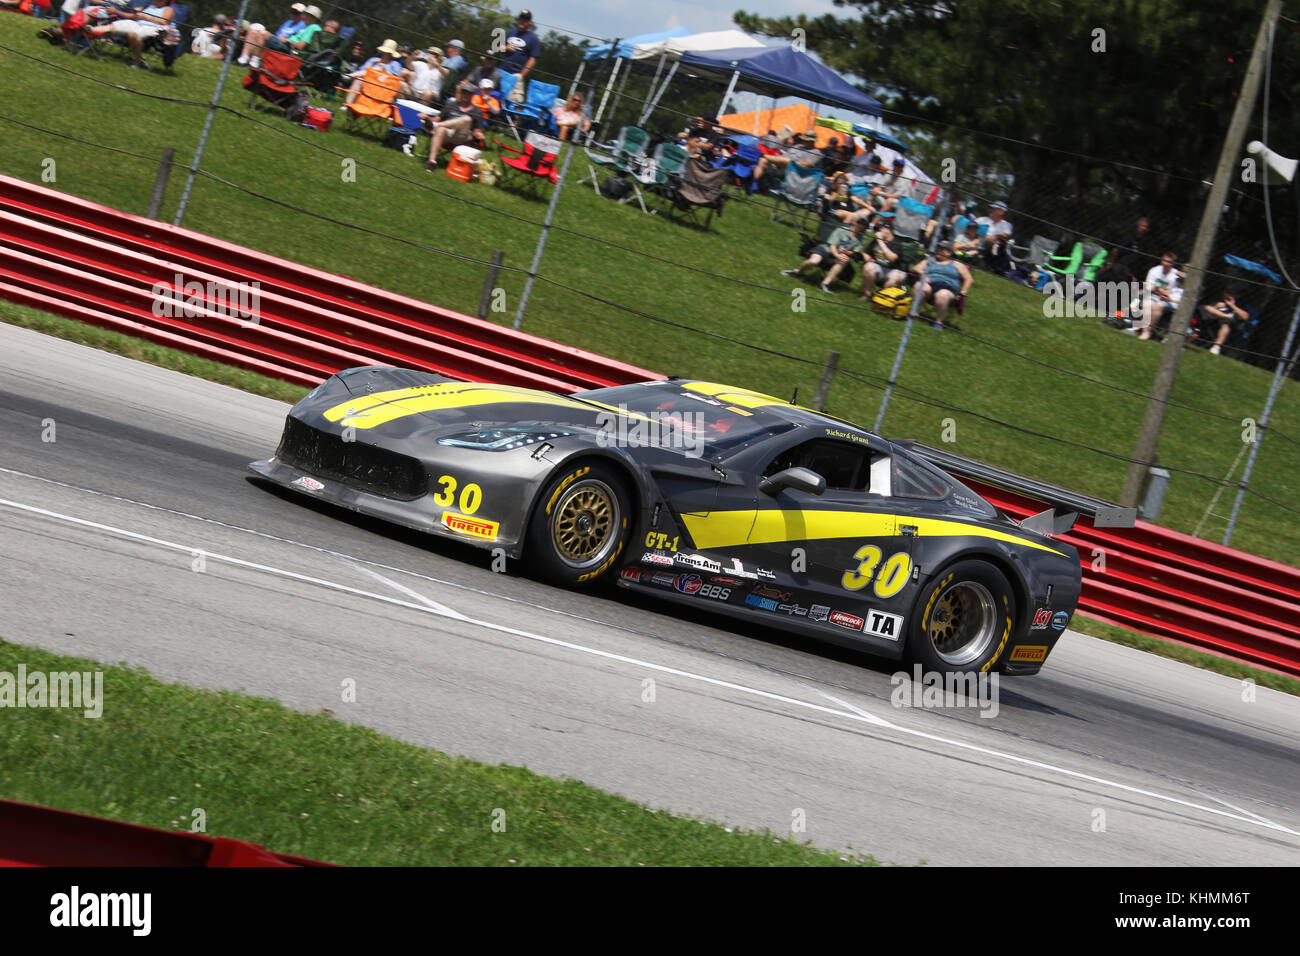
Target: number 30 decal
(893, 573)
(470, 496)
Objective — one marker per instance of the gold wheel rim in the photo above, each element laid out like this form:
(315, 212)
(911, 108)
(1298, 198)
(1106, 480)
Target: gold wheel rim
(962, 624)
(585, 523)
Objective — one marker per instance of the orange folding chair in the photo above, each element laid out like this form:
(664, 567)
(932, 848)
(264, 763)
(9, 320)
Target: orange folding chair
(372, 112)
(275, 81)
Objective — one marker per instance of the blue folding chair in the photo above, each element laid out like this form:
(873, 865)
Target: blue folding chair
(742, 163)
(535, 112)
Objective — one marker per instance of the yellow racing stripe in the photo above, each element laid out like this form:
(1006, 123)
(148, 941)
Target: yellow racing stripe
(727, 529)
(368, 411)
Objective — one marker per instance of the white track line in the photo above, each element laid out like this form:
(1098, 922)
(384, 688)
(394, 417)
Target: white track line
(852, 714)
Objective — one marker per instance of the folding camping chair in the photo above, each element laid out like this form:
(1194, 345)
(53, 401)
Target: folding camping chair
(322, 67)
(1084, 262)
(626, 155)
(662, 174)
(535, 112)
(169, 45)
(532, 164)
(371, 112)
(912, 218)
(275, 81)
(85, 30)
(698, 188)
(741, 164)
(797, 198)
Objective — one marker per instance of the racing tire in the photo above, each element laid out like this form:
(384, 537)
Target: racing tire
(581, 525)
(962, 620)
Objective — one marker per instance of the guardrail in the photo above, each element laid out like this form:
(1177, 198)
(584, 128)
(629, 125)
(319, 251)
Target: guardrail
(90, 262)
(87, 261)
(39, 836)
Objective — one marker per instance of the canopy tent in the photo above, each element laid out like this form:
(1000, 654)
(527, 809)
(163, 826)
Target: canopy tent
(626, 47)
(697, 43)
(780, 71)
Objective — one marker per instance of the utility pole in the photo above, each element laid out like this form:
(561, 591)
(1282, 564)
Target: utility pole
(1176, 339)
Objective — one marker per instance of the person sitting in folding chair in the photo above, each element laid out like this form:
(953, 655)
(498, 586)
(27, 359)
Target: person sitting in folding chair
(837, 251)
(943, 281)
(881, 257)
(138, 26)
(461, 123)
(569, 118)
(386, 60)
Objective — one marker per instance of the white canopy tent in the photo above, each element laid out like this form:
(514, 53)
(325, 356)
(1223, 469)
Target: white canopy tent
(673, 48)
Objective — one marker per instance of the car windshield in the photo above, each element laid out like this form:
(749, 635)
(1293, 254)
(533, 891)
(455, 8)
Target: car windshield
(696, 418)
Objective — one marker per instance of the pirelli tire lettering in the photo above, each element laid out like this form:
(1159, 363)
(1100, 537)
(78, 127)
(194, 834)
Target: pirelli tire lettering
(579, 535)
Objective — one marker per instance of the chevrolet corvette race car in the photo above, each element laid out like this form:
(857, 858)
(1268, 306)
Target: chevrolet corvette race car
(717, 497)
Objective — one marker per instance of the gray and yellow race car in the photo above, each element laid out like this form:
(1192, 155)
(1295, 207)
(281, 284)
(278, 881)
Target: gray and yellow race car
(713, 496)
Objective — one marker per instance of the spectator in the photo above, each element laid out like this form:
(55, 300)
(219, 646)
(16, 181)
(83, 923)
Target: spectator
(520, 52)
(894, 186)
(996, 243)
(318, 43)
(138, 26)
(967, 245)
(943, 279)
(211, 41)
(1161, 295)
(386, 60)
(838, 250)
(569, 117)
(300, 40)
(356, 58)
(1229, 315)
(840, 204)
(1128, 260)
(461, 123)
(881, 258)
(486, 70)
(425, 78)
(487, 101)
(294, 23)
(455, 61)
(799, 150)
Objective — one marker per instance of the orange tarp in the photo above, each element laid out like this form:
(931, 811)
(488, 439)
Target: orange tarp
(799, 117)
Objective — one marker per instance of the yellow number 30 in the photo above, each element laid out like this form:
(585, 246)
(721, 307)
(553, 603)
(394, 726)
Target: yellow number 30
(470, 496)
(893, 574)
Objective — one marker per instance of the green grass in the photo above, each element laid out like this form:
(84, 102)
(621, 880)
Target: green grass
(399, 198)
(310, 785)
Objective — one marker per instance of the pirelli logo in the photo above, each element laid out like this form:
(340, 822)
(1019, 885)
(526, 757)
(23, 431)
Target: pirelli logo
(1029, 652)
(474, 527)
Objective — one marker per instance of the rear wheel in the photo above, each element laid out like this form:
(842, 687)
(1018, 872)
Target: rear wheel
(962, 620)
(580, 527)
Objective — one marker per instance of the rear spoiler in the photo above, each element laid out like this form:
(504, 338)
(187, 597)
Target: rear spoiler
(1066, 505)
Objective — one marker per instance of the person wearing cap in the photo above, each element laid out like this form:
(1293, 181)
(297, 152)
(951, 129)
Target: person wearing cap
(294, 23)
(461, 123)
(211, 41)
(425, 77)
(258, 38)
(943, 280)
(887, 193)
(455, 61)
(300, 39)
(837, 251)
(486, 100)
(520, 52)
(486, 70)
(996, 245)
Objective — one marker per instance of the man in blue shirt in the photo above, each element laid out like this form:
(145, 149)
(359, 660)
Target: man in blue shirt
(455, 62)
(294, 23)
(520, 52)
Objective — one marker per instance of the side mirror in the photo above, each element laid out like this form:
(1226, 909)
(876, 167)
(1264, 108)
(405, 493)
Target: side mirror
(800, 479)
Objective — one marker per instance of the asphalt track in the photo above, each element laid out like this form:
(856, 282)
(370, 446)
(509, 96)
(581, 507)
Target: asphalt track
(135, 536)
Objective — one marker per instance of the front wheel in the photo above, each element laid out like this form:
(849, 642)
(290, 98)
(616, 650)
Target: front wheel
(962, 620)
(580, 526)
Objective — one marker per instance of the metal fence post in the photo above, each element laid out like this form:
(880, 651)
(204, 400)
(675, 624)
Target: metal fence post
(160, 182)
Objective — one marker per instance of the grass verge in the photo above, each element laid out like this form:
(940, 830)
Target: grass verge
(311, 785)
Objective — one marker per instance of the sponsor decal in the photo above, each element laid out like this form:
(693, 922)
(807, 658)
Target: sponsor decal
(654, 557)
(967, 502)
(311, 484)
(765, 573)
(715, 591)
(688, 583)
(883, 624)
(663, 580)
(818, 612)
(607, 564)
(792, 609)
(474, 527)
(738, 570)
(844, 619)
(847, 436)
(726, 580)
(1029, 652)
(1042, 617)
(699, 562)
(767, 604)
(568, 480)
(764, 591)
(1059, 620)
(630, 574)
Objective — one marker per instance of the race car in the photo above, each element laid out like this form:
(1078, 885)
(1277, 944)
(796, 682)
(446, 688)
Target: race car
(717, 497)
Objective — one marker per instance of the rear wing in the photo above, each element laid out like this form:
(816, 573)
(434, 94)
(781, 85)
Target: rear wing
(1066, 505)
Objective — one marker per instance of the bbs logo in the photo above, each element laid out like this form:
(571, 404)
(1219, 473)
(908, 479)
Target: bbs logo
(715, 591)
